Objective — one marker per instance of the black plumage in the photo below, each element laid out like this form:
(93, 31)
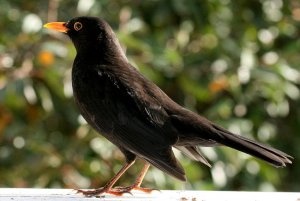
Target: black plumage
(135, 114)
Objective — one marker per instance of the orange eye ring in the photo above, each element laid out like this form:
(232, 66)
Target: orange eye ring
(77, 26)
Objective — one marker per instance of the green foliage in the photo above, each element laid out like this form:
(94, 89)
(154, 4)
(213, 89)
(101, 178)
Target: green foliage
(235, 62)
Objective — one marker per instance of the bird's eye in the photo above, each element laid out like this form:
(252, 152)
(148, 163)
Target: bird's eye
(77, 26)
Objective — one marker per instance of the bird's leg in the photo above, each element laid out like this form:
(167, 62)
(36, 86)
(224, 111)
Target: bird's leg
(139, 180)
(108, 187)
(137, 184)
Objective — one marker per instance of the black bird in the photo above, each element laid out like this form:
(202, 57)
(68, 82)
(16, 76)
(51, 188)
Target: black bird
(135, 114)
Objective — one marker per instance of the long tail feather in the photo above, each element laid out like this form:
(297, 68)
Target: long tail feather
(264, 152)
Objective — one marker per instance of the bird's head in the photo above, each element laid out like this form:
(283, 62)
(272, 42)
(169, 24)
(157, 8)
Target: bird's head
(89, 34)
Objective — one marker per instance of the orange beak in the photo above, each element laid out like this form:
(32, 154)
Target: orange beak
(57, 26)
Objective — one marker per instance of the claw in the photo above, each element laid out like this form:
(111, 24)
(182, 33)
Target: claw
(90, 193)
(117, 191)
(128, 189)
(145, 190)
(99, 192)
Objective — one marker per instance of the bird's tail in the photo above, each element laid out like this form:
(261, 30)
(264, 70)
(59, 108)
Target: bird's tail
(273, 156)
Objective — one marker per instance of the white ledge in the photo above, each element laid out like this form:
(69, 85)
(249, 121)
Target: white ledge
(32, 194)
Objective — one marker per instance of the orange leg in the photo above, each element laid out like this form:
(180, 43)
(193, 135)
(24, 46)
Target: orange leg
(137, 183)
(108, 187)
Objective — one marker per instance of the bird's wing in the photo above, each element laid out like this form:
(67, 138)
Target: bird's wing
(153, 98)
(145, 94)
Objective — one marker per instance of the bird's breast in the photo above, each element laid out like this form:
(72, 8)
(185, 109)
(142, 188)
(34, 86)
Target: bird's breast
(97, 97)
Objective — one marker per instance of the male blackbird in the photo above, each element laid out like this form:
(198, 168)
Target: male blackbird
(135, 114)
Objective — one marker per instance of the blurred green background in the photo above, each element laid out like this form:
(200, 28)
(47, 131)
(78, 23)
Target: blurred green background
(235, 62)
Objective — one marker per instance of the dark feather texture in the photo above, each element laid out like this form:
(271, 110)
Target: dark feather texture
(135, 114)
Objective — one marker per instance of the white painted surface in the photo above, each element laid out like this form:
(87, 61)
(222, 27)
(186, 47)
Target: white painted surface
(23, 194)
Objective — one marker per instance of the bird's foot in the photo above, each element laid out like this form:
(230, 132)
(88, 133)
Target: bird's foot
(117, 191)
(128, 189)
(100, 191)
